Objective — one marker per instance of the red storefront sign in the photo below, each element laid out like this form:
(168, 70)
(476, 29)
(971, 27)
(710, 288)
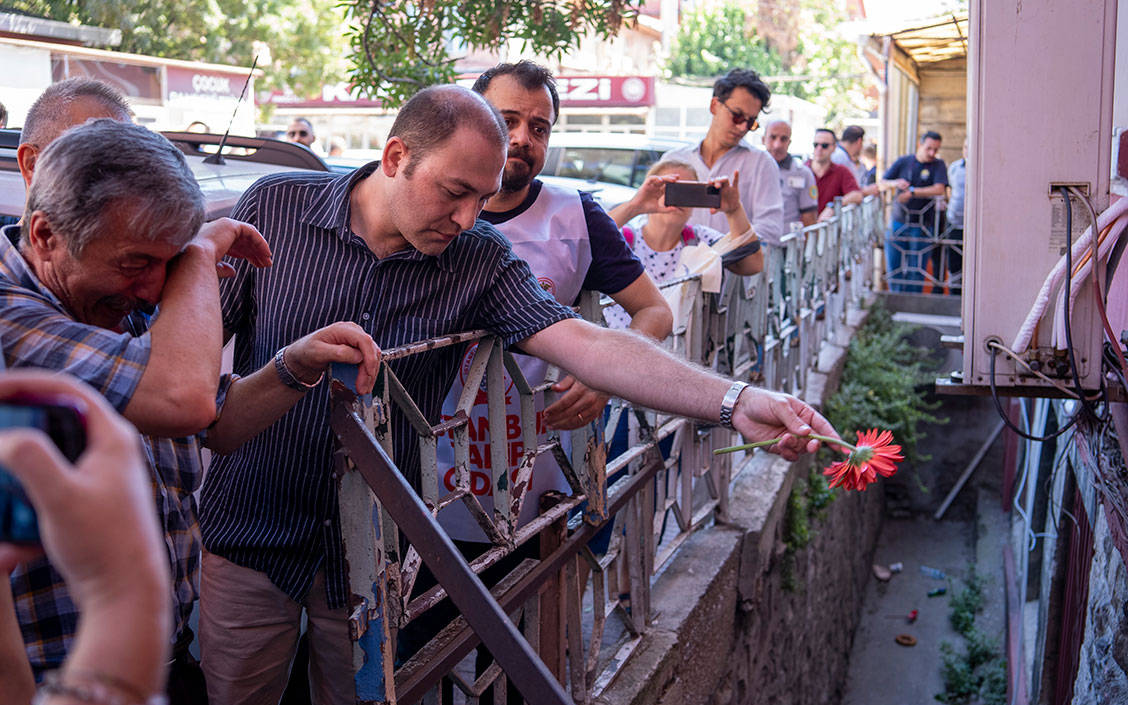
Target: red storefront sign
(605, 91)
(575, 92)
(337, 95)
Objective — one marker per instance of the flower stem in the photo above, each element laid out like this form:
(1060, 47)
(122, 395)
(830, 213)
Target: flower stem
(761, 444)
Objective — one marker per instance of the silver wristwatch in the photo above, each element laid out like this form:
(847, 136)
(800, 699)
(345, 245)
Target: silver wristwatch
(729, 402)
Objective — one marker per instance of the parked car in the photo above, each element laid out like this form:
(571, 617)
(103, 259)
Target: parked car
(245, 160)
(606, 158)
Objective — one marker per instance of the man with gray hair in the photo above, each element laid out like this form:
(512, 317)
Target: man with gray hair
(62, 106)
(113, 226)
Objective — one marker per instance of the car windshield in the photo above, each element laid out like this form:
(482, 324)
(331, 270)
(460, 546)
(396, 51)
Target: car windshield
(626, 167)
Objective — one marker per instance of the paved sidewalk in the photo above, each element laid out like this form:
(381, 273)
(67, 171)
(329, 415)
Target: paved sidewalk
(883, 672)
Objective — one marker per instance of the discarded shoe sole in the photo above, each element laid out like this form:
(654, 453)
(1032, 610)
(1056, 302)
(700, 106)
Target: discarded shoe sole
(906, 640)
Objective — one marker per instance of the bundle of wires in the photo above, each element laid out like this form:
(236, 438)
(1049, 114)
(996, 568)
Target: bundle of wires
(1090, 249)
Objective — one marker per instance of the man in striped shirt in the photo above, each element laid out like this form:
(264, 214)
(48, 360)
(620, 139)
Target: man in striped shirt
(397, 248)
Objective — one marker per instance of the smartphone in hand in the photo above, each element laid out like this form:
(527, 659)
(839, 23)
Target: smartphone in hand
(61, 419)
(692, 194)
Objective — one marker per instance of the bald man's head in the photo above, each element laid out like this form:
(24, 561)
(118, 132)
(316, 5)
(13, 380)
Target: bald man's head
(62, 106)
(777, 139)
(433, 115)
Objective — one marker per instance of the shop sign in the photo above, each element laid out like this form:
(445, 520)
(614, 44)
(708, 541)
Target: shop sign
(190, 84)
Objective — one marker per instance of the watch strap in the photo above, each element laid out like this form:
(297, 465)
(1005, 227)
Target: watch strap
(288, 378)
(728, 404)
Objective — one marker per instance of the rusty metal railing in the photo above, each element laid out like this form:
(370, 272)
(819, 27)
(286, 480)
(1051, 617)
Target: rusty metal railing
(568, 597)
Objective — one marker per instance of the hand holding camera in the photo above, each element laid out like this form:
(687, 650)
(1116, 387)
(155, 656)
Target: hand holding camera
(98, 526)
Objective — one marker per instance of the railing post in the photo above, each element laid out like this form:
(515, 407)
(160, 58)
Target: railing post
(465, 589)
(373, 651)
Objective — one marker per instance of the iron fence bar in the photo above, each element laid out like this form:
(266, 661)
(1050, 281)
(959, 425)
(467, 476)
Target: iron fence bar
(528, 585)
(469, 595)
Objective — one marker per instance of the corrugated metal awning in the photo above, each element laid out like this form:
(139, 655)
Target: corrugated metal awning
(939, 40)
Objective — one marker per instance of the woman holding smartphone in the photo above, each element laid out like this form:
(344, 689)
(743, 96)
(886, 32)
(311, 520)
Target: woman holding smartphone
(657, 232)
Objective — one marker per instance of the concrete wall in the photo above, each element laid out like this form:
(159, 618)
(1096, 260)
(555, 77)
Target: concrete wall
(727, 631)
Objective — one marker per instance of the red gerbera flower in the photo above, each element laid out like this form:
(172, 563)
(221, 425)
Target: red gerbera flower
(873, 455)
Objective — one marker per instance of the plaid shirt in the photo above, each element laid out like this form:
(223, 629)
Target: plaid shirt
(37, 331)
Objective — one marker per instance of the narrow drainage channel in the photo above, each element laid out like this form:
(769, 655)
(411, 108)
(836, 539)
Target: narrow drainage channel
(898, 654)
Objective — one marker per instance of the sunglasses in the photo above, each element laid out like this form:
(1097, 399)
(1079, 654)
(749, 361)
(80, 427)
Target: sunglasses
(739, 118)
(297, 133)
(824, 145)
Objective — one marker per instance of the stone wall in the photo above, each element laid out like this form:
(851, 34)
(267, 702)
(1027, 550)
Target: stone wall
(1102, 676)
(728, 631)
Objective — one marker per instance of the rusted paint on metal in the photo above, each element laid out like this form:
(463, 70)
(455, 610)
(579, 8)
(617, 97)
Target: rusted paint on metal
(373, 657)
(521, 481)
(499, 461)
(441, 341)
(458, 420)
(466, 591)
(595, 462)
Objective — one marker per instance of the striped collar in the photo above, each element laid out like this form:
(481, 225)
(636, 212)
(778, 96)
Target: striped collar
(329, 209)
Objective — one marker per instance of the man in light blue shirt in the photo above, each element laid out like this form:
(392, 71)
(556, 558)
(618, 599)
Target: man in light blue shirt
(957, 181)
(738, 98)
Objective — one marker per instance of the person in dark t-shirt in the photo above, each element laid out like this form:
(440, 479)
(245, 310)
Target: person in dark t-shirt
(919, 178)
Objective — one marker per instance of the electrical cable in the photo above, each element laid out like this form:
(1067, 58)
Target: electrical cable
(1006, 419)
(1017, 358)
(1111, 360)
(1098, 291)
(1064, 190)
(1029, 534)
(1114, 260)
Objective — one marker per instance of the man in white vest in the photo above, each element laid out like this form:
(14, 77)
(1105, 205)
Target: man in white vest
(570, 244)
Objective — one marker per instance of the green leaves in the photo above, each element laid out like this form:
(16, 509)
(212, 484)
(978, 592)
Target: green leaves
(399, 46)
(306, 45)
(978, 673)
(881, 385)
(800, 42)
(713, 40)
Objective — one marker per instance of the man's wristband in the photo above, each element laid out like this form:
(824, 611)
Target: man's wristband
(288, 378)
(728, 404)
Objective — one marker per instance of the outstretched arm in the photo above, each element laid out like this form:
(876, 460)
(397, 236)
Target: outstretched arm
(650, 316)
(627, 365)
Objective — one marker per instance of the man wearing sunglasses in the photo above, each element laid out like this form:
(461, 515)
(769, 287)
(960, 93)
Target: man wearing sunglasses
(738, 98)
(833, 180)
(301, 132)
